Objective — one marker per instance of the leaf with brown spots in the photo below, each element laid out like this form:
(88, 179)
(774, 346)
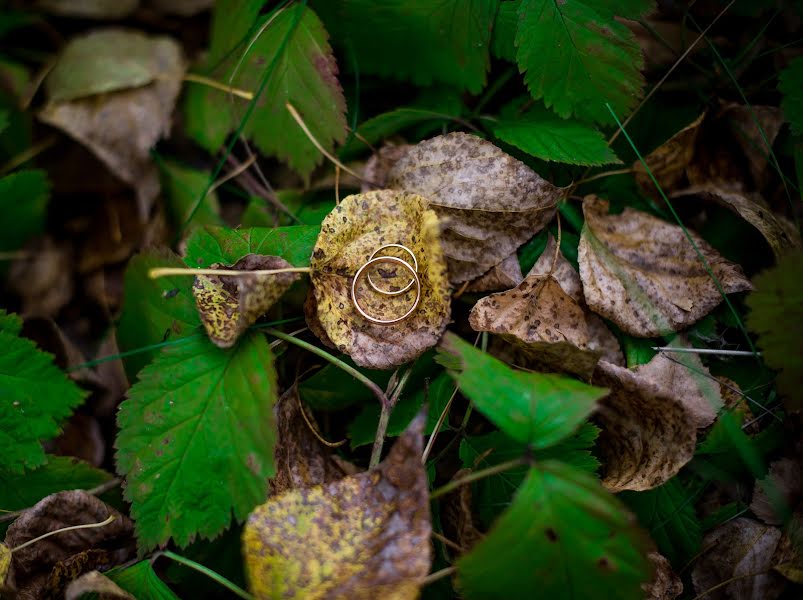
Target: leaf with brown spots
(564, 536)
(363, 537)
(489, 202)
(228, 305)
(643, 274)
(505, 275)
(350, 234)
(665, 585)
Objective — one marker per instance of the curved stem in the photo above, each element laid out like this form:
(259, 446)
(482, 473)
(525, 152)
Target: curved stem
(481, 474)
(167, 271)
(209, 573)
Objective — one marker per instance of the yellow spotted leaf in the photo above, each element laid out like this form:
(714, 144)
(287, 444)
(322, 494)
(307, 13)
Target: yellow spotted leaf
(360, 225)
(5, 563)
(365, 536)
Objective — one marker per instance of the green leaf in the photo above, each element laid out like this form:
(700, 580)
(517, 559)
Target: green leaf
(790, 84)
(196, 439)
(209, 245)
(667, 512)
(23, 199)
(776, 312)
(58, 474)
(141, 581)
(543, 134)
(35, 397)
(504, 33)
(182, 187)
(540, 409)
(565, 536)
(154, 310)
(418, 40)
(294, 54)
(376, 129)
(233, 25)
(332, 389)
(577, 56)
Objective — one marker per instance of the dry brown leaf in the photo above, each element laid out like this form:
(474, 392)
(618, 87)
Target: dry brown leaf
(378, 167)
(490, 202)
(647, 433)
(350, 234)
(95, 582)
(781, 235)
(505, 275)
(43, 277)
(363, 537)
(665, 585)
(643, 274)
(31, 566)
(457, 515)
(228, 305)
(668, 162)
(737, 549)
(786, 476)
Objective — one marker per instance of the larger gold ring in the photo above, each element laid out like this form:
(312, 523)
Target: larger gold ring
(406, 287)
(391, 259)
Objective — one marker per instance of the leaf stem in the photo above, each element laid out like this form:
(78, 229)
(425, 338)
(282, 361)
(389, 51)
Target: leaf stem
(168, 271)
(384, 417)
(481, 474)
(62, 530)
(195, 78)
(208, 572)
(714, 351)
(433, 577)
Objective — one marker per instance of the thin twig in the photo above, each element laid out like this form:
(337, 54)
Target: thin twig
(481, 474)
(386, 408)
(313, 429)
(441, 419)
(168, 271)
(195, 78)
(28, 154)
(713, 351)
(238, 170)
(62, 530)
(433, 577)
(603, 175)
(446, 541)
(208, 572)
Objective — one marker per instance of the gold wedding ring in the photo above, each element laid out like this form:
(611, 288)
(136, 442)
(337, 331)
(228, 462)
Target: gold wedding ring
(414, 271)
(373, 260)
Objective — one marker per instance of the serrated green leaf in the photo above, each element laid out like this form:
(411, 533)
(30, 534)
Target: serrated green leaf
(577, 56)
(141, 581)
(790, 84)
(294, 54)
(23, 199)
(35, 397)
(545, 135)
(154, 310)
(196, 439)
(378, 128)
(182, 186)
(209, 245)
(776, 314)
(540, 409)
(667, 512)
(10, 323)
(504, 33)
(564, 535)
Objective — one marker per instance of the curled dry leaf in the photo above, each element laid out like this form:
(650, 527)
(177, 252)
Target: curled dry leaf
(350, 234)
(363, 537)
(668, 162)
(505, 275)
(643, 274)
(228, 305)
(490, 202)
(647, 433)
(95, 582)
(737, 550)
(665, 585)
(50, 563)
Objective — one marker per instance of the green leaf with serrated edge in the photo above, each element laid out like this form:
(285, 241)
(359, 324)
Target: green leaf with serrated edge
(182, 186)
(776, 314)
(375, 129)
(141, 581)
(667, 512)
(543, 134)
(790, 84)
(565, 536)
(209, 245)
(578, 57)
(23, 199)
(58, 474)
(418, 40)
(10, 323)
(539, 409)
(504, 33)
(35, 397)
(154, 310)
(294, 54)
(493, 494)
(196, 439)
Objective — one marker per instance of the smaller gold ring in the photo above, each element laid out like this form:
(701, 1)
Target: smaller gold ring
(359, 273)
(409, 284)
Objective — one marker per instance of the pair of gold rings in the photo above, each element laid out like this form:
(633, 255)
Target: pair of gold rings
(363, 271)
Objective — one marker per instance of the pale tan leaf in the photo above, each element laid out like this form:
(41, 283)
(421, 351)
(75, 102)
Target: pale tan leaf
(378, 167)
(505, 275)
(490, 202)
(643, 274)
(665, 585)
(363, 537)
(647, 433)
(95, 582)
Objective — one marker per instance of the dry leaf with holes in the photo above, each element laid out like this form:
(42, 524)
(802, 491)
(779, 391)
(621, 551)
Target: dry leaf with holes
(350, 234)
(489, 202)
(734, 551)
(229, 304)
(643, 274)
(647, 433)
(665, 585)
(363, 537)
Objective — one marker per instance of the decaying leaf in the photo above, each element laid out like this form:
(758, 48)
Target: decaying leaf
(350, 234)
(643, 274)
(505, 275)
(489, 202)
(51, 563)
(378, 166)
(228, 305)
(665, 585)
(5, 564)
(363, 537)
(785, 480)
(738, 549)
(122, 126)
(95, 582)
(457, 515)
(647, 433)
(668, 162)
